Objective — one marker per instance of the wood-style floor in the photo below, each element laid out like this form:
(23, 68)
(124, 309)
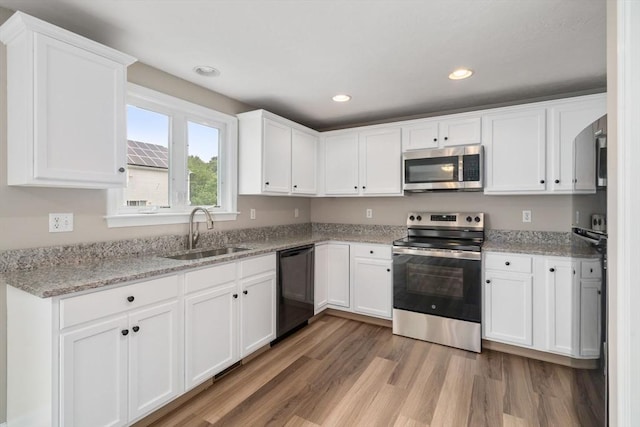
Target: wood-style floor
(339, 372)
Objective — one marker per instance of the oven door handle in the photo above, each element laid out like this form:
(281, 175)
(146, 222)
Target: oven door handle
(402, 250)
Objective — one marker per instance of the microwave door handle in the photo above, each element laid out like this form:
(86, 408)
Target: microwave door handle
(460, 168)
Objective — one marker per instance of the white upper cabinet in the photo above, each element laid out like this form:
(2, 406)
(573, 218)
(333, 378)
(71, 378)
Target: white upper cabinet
(65, 106)
(276, 156)
(515, 150)
(573, 161)
(441, 132)
(533, 149)
(367, 162)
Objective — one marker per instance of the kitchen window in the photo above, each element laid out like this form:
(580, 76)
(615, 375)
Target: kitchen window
(179, 155)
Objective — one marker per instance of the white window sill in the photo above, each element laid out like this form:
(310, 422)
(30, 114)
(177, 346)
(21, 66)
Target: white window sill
(142, 219)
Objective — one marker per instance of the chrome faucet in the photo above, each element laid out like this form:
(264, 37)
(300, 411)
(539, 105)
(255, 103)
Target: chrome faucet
(194, 234)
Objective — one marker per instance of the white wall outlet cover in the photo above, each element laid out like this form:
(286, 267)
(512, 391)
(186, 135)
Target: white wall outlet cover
(60, 222)
(252, 214)
(526, 216)
(296, 213)
(369, 213)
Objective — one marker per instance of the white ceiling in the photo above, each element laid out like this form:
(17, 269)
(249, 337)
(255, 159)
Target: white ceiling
(392, 56)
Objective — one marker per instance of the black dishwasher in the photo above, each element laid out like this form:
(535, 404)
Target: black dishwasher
(295, 289)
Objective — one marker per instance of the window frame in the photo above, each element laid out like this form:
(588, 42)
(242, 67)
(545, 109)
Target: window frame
(181, 112)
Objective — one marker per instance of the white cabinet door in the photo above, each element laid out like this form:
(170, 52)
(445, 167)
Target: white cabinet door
(381, 161)
(211, 337)
(341, 164)
(372, 287)
(321, 277)
(508, 308)
(460, 131)
(303, 162)
(93, 374)
(567, 120)
(154, 362)
(66, 108)
(515, 144)
(257, 312)
(276, 158)
(420, 135)
(562, 306)
(338, 274)
(590, 315)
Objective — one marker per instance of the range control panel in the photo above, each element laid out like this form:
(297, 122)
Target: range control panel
(445, 220)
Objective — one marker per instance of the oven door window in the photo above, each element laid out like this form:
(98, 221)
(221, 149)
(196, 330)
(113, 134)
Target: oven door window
(441, 286)
(438, 169)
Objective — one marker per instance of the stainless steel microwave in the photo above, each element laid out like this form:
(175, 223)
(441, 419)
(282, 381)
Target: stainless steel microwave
(455, 168)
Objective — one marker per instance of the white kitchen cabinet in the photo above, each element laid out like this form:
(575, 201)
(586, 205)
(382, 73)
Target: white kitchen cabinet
(573, 166)
(257, 286)
(563, 305)
(546, 303)
(372, 279)
(276, 156)
(341, 164)
(590, 309)
(119, 369)
(442, 132)
(337, 275)
(93, 374)
(66, 107)
(515, 150)
(508, 307)
(532, 149)
(320, 277)
(367, 162)
(211, 322)
(155, 367)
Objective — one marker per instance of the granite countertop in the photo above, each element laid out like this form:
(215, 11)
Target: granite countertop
(59, 280)
(537, 248)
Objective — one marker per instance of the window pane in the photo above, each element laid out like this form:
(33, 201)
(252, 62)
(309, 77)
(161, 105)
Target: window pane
(203, 164)
(147, 158)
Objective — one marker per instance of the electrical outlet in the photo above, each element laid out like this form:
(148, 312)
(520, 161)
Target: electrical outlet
(577, 218)
(526, 216)
(60, 222)
(369, 213)
(296, 213)
(252, 213)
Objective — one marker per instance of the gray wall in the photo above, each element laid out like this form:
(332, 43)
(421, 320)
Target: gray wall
(549, 213)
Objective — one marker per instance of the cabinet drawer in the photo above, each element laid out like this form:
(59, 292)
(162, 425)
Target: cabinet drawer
(590, 270)
(76, 310)
(371, 251)
(508, 262)
(209, 277)
(257, 265)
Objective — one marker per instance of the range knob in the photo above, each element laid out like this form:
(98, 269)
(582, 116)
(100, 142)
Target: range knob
(419, 218)
(477, 219)
(411, 218)
(469, 219)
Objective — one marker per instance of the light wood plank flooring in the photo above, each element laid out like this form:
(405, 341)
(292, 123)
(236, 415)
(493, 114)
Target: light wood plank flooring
(339, 372)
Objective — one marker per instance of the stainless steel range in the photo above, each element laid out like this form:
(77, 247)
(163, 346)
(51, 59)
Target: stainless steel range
(437, 274)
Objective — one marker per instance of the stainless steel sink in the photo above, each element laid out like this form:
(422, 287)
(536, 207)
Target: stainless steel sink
(206, 253)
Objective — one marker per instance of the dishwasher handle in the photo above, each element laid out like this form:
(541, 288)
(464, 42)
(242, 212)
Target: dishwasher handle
(296, 251)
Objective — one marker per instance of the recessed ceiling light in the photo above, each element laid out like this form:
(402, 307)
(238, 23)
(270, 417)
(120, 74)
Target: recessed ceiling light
(460, 73)
(207, 71)
(342, 97)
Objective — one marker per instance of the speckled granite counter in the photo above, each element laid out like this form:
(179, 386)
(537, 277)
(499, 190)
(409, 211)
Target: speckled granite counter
(56, 280)
(537, 243)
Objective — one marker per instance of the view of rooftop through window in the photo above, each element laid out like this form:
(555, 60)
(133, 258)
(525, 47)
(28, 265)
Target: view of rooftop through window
(149, 160)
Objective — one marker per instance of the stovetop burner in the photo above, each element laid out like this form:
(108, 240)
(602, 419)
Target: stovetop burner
(446, 231)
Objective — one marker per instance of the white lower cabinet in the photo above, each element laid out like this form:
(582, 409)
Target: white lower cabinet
(546, 303)
(508, 307)
(257, 311)
(93, 374)
(115, 370)
(372, 279)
